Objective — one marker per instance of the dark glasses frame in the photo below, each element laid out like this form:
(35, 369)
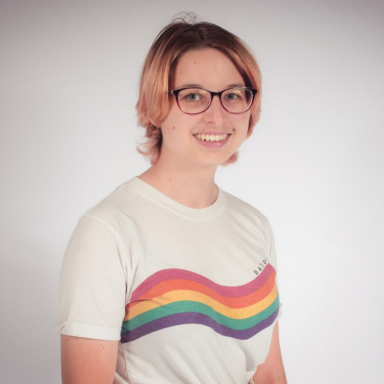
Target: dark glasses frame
(176, 92)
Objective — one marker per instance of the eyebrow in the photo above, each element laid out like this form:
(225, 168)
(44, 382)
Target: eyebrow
(194, 85)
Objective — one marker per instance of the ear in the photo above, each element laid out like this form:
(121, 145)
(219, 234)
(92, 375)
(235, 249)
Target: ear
(155, 124)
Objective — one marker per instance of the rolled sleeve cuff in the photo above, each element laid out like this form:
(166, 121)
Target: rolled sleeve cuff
(89, 331)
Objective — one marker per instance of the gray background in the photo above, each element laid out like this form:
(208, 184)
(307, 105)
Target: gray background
(314, 166)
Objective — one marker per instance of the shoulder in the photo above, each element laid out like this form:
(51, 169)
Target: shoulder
(104, 230)
(114, 209)
(242, 210)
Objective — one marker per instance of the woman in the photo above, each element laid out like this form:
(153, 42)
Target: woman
(170, 279)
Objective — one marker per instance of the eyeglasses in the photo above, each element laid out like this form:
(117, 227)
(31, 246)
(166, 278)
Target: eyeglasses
(197, 100)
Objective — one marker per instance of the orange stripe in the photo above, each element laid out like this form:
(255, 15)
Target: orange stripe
(174, 296)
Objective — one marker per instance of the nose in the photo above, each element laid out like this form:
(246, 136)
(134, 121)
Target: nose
(215, 114)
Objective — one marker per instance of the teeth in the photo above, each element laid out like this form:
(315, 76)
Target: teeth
(211, 137)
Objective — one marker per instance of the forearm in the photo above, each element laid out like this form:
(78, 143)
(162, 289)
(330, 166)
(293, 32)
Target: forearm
(272, 370)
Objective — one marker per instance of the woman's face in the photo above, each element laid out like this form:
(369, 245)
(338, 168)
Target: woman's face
(182, 133)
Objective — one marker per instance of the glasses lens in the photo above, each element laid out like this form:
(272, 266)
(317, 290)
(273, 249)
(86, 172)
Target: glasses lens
(237, 100)
(193, 100)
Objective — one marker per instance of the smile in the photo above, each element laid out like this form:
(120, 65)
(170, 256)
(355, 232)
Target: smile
(211, 137)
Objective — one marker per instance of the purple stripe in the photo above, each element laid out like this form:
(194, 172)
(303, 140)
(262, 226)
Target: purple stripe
(196, 318)
(228, 291)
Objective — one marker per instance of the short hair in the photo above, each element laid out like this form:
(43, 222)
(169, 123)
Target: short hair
(171, 43)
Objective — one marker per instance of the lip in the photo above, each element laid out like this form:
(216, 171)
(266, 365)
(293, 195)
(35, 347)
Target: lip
(213, 144)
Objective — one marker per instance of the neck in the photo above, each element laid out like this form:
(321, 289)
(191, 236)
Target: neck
(191, 186)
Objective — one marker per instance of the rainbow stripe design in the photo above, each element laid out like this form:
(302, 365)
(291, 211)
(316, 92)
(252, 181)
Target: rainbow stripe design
(174, 297)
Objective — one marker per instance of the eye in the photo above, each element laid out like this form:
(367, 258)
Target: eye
(233, 95)
(192, 95)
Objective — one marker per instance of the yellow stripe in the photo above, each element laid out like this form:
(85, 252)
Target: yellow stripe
(181, 295)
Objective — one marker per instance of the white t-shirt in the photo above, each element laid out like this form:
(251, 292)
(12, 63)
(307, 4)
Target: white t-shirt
(190, 293)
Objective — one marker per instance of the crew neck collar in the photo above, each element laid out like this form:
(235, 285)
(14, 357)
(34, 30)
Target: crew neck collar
(197, 214)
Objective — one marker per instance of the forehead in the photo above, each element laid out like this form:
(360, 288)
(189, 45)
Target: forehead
(207, 68)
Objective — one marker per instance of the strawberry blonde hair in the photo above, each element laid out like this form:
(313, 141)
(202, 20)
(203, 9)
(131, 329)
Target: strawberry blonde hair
(178, 37)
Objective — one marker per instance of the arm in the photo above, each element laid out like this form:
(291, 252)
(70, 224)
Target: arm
(91, 304)
(87, 361)
(272, 370)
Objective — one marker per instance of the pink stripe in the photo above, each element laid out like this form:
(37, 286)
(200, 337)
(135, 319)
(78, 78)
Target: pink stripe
(228, 291)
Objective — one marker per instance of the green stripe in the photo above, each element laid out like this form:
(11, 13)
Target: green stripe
(194, 306)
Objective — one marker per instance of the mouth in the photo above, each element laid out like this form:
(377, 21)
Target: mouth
(211, 138)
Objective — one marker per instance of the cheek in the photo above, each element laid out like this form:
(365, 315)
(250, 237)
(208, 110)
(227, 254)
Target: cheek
(242, 126)
(169, 127)
(174, 133)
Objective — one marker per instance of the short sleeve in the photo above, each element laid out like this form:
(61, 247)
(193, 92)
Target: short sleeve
(92, 283)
